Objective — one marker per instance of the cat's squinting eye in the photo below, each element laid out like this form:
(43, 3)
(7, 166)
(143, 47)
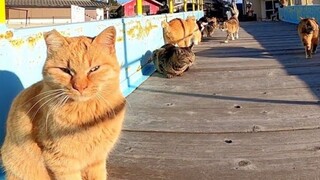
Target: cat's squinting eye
(66, 70)
(94, 69)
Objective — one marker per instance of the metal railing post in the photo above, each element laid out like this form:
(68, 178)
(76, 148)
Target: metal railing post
(171, 6)
(185, 9)
(198, 5)
(139, 7)
(193, 4)
(2, 12)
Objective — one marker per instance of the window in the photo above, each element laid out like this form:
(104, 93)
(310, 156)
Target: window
(145, 9)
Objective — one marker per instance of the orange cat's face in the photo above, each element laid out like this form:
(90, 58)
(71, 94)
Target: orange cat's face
(82, 67)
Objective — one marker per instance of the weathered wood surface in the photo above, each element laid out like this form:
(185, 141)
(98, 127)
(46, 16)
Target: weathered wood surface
(248, 109)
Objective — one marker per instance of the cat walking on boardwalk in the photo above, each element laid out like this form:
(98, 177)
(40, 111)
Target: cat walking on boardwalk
(232, 25)
(63, 127)
(308, 29)
(207, 25)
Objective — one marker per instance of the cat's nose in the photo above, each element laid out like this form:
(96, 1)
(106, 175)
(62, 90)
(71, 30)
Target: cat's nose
(80, 86)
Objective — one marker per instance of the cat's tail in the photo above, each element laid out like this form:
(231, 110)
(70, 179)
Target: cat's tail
(234, 10)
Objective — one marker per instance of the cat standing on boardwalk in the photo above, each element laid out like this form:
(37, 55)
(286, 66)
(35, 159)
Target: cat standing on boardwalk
(207, 25)
(181, 32)
(64, 126)
(308, 30)
(232, 25)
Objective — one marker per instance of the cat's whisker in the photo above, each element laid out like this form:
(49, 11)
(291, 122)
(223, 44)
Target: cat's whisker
(48, 114)
(54, 107)
(109, 93)
(105, 92)
(52, 94)
(107, 102)
(51, 99)
(43, 93)
(127, 102)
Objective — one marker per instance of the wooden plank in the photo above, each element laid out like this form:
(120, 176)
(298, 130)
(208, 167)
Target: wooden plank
(222, 85)
(248, 109)
(224, 119)
(272, 155)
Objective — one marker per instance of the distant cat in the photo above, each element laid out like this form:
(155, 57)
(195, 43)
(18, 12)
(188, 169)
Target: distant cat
(207, 26)
(308, 29)
(212, 25)
(173, 61)
(63, 127)
(284, 3)
(232, 27)
(181, 32)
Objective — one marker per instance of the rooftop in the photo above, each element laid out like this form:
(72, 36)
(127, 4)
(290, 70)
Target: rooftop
(123, 2)
(54, 3)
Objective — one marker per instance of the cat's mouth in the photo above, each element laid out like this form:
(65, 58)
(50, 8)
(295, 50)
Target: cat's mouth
(80, 97)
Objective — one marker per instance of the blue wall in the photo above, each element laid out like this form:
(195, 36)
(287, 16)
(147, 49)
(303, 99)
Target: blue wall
(23, 52)
(292, 14)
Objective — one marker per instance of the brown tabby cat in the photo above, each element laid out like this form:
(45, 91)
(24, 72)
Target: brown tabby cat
(173, 61)
(181, 32)
(308, 30)
(64, 126)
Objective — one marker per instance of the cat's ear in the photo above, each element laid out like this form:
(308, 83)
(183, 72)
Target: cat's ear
(54, 40)
(164, 24)
(107, 37)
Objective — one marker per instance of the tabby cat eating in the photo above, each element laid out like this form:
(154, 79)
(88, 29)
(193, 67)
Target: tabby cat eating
(64, 126)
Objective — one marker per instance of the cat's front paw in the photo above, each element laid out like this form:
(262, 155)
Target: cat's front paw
(308, 56)
(169, 76)
(314, 51)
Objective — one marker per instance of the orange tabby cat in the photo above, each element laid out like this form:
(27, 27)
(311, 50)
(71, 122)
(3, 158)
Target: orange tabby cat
(232, 25)
(181, 32)
(308, 29)
(64, 126)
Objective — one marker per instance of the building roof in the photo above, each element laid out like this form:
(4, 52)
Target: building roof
(54, 3)
(123, 2)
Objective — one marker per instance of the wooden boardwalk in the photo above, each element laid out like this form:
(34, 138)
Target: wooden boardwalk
(248, 109)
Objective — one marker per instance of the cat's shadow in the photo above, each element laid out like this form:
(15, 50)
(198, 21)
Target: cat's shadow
(10, 86)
